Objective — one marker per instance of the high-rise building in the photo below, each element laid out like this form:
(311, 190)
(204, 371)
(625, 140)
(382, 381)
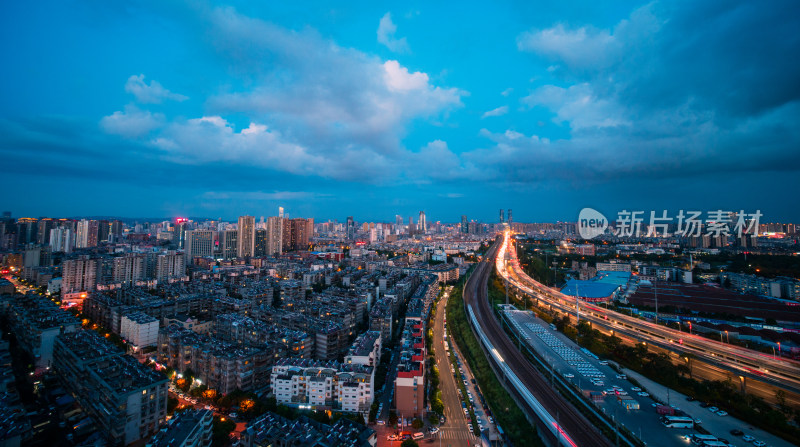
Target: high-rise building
(261, 240)
(116, 231)
(398, 220)
(297, 233)
(280, 212)
(509, 217)
(79, 275)
(464, 224)
(229, 244)
(86, 234)
(501, 215)
(128, 269)
(422, 225)
(411, 227)
(62, 239)
(180, 233)
(274, 235)
(199, 243)
(170, 265)
(351, 228)
(247, 237)
(45, 225)
(103, 230)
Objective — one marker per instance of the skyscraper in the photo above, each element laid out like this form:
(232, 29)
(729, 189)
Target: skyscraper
(280, 212)
(464, 224)
(422, 225)
(274, 235)
(509, 216)
(351, 228)
(501, 215)
(398, 220)
(247, 236)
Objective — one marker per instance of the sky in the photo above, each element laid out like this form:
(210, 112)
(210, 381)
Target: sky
(372, 109)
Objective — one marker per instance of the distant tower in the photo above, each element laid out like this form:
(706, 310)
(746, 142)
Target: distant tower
(422, 225)
(398, 220)
(509, 216)
(464, 224)
(280, 212)
(501, 215)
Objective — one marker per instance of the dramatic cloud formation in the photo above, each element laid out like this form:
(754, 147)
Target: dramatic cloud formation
(308, 108)
(386, 32)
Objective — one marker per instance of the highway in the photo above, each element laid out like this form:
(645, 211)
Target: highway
(572, 427)
(743, 362)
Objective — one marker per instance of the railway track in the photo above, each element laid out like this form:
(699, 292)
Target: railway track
(575, 429)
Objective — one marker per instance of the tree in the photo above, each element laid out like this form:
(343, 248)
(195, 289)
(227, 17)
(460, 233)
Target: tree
(392, 418)
(417, 423)
(409, 443)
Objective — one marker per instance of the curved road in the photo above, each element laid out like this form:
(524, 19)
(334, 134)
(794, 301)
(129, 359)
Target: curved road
(579, 429)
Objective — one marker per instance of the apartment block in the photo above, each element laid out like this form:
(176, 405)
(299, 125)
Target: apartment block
(127, 400)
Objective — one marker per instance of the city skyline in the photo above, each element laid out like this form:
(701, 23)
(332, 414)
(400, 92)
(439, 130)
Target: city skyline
(221, 110)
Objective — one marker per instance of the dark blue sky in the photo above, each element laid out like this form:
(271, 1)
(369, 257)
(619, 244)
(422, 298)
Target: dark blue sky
(191, 108)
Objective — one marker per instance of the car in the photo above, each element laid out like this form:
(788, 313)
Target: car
(722, 413)
(705, 404)
(568, 375)
(737, 432)
(748, 438)
(381, 422)
(713, 409)
(434, 430)
(392, 438)
(643, 394)
(690, 399)
(469, 426)
(759, 443)
(604, 362)
(654, 405)
(234, 415)
(636, 388)
(697, 421)
(491, 421)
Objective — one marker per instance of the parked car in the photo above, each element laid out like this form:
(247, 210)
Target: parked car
(737, 432)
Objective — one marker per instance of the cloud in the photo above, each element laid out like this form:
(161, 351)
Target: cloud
(507, 91)
(500, 111)
(324, 96)
(131, 123)
(386, 35)
(154, 93)
(579, 106)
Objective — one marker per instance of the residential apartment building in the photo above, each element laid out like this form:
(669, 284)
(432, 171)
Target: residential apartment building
(127, 400)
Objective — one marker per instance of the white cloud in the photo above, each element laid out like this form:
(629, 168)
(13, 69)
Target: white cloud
(579, 106)
(507, 91)
(584, 47)
(153, 93)
(500, 111)
(399, 79)
(132, 122)
(325, 96)
(386, 35)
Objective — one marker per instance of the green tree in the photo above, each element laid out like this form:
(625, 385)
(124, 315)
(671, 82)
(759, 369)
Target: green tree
(417, 423)
(409, 443)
